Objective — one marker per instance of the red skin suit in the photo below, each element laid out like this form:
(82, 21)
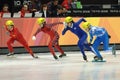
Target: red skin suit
(15, 35)
(54, 37)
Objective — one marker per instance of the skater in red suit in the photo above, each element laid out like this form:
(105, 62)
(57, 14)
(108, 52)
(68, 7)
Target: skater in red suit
(15, 35)
(54, 37)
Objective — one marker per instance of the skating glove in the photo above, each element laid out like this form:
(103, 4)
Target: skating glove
(89, 44)
(109, 36)
(33, 38)
(65, 25)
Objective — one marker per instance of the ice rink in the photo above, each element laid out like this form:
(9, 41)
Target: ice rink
(71, 67)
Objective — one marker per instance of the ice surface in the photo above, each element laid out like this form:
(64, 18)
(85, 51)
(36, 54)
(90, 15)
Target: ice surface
(72, 67)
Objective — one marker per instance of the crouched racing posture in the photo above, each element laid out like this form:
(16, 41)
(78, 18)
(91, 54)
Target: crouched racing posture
(15, 35)
(54, 36)
(102, 36)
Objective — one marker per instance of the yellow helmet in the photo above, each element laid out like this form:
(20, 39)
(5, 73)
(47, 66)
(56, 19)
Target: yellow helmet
(40, 20)
(86, 25)
(9, 23)
(68, 19)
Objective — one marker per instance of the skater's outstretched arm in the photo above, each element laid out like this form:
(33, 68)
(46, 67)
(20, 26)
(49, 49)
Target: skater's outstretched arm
(37, 32)
(91, 37)
(33, 37)
(65, 30)
(54, 24)
(81, 20)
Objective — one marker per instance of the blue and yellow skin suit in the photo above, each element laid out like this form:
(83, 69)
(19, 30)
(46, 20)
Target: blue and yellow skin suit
(81, 34)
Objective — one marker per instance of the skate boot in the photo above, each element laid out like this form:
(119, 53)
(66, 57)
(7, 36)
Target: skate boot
(55, 57)
(85, 58)
(10, 54)
(62, 55)
(100, 59)
(97, 59)
(35, 57)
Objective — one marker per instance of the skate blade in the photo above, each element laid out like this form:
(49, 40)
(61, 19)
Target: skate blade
(99, 61)
(11, 56)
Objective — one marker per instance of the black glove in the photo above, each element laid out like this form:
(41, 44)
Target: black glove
(109, 36)
(89, 44)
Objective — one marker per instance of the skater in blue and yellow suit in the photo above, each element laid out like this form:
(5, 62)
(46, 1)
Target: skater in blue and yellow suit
(101, 37)
(69, 24)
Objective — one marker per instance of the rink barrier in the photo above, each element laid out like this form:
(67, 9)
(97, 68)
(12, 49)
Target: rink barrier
(44, 49)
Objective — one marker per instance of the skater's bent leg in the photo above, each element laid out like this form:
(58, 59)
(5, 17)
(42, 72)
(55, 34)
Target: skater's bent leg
(96, 45)
(81, 46)
(50, 46)
(106, 43)
(59, 49)
(9, 42)
(25, 44)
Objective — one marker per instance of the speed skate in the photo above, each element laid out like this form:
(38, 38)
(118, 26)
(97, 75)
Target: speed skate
(98, 60)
